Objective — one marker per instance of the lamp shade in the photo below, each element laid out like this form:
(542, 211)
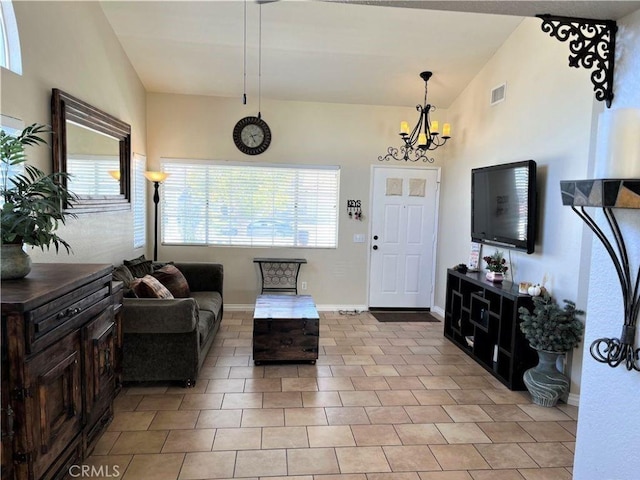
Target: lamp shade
(156, 176)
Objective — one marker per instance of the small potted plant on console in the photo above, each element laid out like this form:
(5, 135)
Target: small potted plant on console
(497, 266)
(552, 331)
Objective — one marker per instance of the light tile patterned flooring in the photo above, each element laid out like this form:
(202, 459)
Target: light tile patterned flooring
(385, 401)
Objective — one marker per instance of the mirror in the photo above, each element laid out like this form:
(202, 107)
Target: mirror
(95, 149)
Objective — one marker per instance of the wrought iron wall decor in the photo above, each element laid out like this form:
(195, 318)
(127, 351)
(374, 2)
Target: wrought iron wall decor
(592, 44)
(354, 209)
(424, 136)
(608, 194)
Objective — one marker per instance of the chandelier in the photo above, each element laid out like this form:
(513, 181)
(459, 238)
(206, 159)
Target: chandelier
(424, 136)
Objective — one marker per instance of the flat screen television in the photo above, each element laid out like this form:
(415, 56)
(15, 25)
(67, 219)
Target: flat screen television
(503, 205)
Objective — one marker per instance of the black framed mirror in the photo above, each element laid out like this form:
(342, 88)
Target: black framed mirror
(95, 149)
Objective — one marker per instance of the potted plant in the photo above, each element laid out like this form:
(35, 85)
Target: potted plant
(33, 203)
(497, 266)
(552, 331)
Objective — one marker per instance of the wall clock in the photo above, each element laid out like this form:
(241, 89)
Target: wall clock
(252, 135)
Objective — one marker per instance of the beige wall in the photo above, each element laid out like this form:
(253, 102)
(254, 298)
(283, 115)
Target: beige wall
(70, 46)
(351, 136)
(547, 117)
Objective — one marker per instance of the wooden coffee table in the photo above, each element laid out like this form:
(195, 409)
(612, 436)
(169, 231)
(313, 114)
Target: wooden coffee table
(285, 328)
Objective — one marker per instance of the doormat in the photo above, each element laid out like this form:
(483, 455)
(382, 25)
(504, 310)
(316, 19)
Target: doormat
(403, 316)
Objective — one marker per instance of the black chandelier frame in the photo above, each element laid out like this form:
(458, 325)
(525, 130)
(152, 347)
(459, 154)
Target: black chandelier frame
(411, 151)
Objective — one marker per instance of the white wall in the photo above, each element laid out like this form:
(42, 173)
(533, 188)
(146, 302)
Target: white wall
(71, 46)
(546, 117)
(351, 136)
(607, 440)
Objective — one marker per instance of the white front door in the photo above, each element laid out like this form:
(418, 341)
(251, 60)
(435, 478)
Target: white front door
(403, 237)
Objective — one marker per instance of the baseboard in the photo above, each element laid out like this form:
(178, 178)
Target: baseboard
(438, 311)
(240, 307)
(573, 399)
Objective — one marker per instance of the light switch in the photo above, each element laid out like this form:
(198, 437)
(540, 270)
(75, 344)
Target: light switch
(358, 238)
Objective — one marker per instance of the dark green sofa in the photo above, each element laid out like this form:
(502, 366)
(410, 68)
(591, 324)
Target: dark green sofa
(168, 339)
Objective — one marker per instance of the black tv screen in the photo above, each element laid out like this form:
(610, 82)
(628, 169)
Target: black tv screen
(503, 205)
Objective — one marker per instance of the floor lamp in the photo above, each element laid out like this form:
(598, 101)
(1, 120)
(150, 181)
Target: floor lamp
(157, 178)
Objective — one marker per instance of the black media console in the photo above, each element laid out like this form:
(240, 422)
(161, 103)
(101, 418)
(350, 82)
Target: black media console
(482, 319)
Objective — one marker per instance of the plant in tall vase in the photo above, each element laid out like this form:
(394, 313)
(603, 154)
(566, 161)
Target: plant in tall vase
(32, 203)
(552, 331)
(497, 266)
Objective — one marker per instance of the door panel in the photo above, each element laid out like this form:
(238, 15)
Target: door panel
(402, 257)
(412, 274)
(389, 274)
(54, 377)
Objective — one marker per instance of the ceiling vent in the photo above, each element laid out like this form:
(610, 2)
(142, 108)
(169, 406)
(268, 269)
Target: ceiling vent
(498, 94)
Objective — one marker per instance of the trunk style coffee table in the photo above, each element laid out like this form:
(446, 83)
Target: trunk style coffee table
(285, 329)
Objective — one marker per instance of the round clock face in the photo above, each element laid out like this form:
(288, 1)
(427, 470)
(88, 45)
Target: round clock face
(252, 135)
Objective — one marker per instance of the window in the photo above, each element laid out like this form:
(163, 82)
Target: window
(139, 201)
(12, 127)
(214, 203)
(10, 56)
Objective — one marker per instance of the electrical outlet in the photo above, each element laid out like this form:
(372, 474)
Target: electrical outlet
(303, 285)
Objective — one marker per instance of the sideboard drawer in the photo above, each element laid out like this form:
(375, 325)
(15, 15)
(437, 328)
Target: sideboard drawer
(51, 321)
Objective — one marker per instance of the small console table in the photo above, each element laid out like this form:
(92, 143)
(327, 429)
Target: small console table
(279, 275)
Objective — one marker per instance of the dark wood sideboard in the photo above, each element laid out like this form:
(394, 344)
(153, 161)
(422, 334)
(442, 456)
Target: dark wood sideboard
(61, 346)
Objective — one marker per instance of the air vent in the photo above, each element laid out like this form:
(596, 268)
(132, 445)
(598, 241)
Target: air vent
(498, 94)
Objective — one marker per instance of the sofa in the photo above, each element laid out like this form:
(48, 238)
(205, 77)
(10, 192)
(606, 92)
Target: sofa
(167, 337)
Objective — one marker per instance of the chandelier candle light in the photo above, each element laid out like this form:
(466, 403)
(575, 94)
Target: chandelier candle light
(424, 136)
(157, 178)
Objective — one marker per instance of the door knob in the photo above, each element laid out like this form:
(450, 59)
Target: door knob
(375, 237)
(375, 247)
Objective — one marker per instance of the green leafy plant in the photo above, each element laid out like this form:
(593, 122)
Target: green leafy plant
(496, 262)
(550, 327)
(33, 200)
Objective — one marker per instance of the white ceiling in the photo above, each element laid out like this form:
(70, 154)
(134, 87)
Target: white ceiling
(324, 51)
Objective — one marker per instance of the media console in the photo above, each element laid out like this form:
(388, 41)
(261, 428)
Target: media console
(481, 318)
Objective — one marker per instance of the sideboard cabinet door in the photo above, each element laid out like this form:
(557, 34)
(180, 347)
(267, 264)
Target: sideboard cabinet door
(100, 380)
(54, 395)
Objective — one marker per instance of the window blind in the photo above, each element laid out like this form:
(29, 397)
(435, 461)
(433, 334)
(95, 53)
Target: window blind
(210, 203)
(139, 201)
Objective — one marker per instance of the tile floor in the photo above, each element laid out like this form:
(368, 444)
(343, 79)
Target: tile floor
(385, 401)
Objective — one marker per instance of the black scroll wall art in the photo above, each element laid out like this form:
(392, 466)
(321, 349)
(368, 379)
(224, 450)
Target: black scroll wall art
(593, 46)
(609, 194)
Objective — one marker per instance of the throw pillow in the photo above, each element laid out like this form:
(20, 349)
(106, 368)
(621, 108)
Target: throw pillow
(133, 261)
(174, 280)
(150, 287)
(123, 274)
(139, 267)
